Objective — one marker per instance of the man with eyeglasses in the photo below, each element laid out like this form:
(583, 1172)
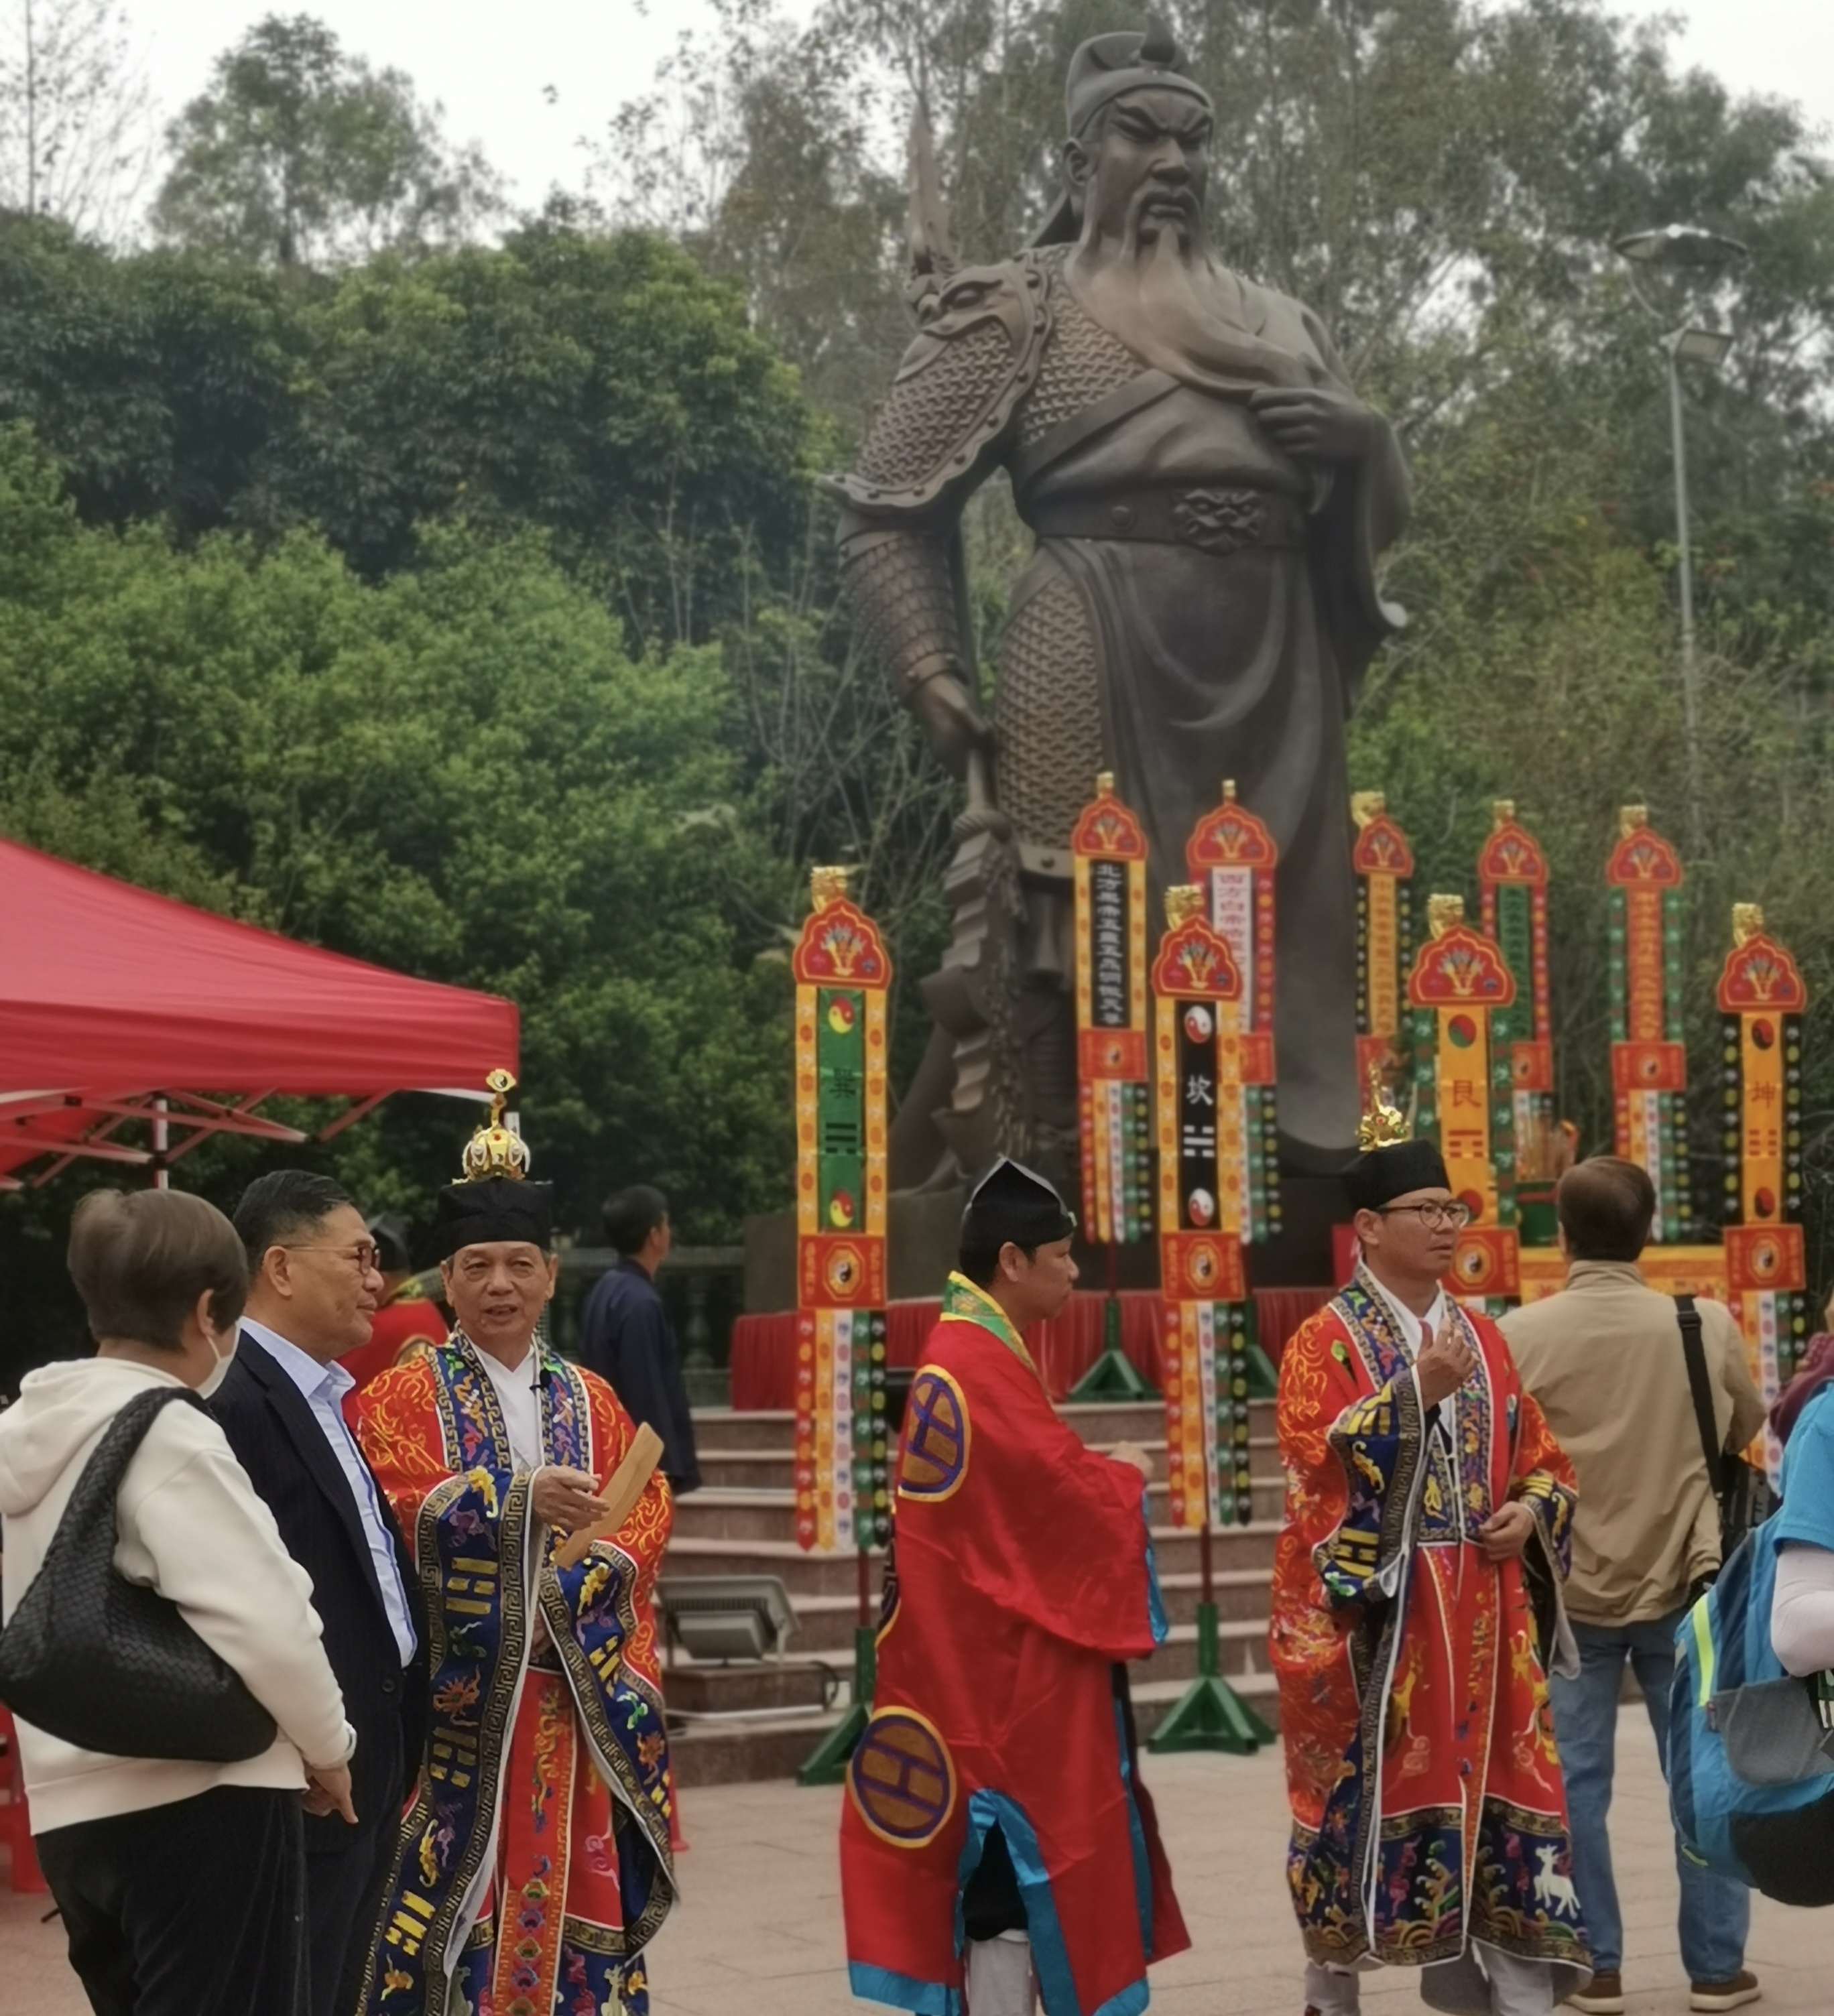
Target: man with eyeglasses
(535, 1866)
(1416, 1613)
(314, 1287)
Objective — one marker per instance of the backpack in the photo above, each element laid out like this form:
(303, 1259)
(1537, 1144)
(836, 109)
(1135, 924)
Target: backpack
(1751, 1779)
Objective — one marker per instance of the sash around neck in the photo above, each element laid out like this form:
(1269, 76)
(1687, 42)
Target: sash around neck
(964, 1302)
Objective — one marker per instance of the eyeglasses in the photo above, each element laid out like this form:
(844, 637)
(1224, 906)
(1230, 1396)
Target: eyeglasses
(367, 1257)
(1434, 1216)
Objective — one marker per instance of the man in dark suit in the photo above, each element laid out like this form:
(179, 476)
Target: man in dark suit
(313, 1288)
(626, 1337)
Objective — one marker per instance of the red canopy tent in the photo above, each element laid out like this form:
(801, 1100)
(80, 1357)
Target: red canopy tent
(113, 1001)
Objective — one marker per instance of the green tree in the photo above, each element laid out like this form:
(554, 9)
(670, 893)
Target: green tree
(300, 156)
(460, 773)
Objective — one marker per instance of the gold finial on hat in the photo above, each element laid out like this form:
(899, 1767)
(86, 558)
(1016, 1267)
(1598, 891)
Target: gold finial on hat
(1229, 790)
(827, 886)
(1443, 913)
(1365, 806)
(1747, 920)
(495, 1150)
(1104, 783)
(1383, 1125)
(1183, 901)
(1502, 812)
(1631, 819)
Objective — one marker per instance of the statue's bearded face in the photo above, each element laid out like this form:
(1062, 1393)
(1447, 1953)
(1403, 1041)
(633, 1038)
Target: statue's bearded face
(1142, 174)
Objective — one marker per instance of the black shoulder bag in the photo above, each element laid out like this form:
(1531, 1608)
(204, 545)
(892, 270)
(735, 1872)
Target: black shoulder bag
(104, 1663)
(1742, 1493)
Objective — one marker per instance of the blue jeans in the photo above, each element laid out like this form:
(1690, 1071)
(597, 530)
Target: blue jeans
(1716, 1911)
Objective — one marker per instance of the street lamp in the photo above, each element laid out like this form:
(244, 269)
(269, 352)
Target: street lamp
(1686, 248)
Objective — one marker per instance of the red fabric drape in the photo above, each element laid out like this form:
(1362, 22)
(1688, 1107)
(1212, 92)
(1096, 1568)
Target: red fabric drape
(764, 1347)
(109, 991)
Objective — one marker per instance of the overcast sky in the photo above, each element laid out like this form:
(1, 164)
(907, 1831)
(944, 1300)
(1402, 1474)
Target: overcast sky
(528, 79)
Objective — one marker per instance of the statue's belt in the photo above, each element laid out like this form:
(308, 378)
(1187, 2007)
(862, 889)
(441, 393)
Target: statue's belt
(1214, 518)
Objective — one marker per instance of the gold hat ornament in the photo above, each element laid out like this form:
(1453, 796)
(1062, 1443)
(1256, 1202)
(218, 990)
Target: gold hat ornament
(1183, 901)
(1383, 1125)
(495, 1150)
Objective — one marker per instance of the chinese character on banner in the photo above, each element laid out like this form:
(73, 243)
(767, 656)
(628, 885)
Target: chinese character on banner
(1512, 879)
(1204, 1214)
(1108, 848)
(1230, 858)
(1464, 1088)
(1384, 865)
(1649, 1062)
(1761, 1000)
(841, 974)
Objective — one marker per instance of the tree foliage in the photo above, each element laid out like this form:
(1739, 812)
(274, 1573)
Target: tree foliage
(461, 773)
(300, 156)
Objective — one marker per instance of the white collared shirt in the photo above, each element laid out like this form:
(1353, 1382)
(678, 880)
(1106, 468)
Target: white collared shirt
(323, 1387)
(521, 1401)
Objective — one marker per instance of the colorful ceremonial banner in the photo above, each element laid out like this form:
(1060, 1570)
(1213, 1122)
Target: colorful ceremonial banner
(1464, 1092)
(1384, 865)
(841, 975)
(1199, 1047)
(1648, 1063)
(1109, 848)
(1231, 857)
(1512, 879)
(1761, 997)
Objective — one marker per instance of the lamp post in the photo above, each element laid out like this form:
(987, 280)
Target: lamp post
(1686, 248)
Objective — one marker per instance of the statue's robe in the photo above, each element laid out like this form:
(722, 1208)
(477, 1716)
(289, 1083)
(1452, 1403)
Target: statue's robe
(1428, 1806)
(1023, 1578)
(534, 1865)
(1198, 607)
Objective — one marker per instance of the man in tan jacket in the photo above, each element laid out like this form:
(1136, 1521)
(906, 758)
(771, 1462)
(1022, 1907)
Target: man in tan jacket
(1605, 1358)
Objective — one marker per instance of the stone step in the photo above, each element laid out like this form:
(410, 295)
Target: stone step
(695, 1688)
(825, 1623)
(708, 1753)
(775, 1469)
(722, 1428)
(1241, 1648)
(726, 1512)
(1175, 1551)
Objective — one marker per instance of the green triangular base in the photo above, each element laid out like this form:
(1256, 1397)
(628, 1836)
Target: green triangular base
(1263, 1380)
(828, 1765)
(1111, 1377)
(1211, 1715)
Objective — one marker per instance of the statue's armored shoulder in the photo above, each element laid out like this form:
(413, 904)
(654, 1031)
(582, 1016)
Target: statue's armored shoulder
(956, 391)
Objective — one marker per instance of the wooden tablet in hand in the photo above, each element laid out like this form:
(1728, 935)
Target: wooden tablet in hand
(629, 1481)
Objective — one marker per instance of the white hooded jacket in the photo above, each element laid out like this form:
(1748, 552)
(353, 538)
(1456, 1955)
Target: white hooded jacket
(190, 1525)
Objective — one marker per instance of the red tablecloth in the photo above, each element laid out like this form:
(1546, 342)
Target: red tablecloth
(764, 1347)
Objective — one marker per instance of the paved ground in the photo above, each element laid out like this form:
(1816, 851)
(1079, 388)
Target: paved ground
(759, 1931)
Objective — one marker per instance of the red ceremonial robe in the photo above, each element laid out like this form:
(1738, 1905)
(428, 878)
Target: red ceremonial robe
(1023, 1576)
(534, 1866)
(1428, 1806)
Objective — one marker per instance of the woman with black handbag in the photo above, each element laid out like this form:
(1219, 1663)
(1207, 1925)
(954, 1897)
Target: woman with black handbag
(160, 1653)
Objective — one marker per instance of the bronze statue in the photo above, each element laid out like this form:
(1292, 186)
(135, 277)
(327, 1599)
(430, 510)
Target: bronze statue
(1209, 499)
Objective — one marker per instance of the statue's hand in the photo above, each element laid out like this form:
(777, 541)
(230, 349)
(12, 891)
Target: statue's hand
(950, 719)
(1316, 424)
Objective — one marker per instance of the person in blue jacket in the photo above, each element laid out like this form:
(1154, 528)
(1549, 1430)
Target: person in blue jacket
(626, 1337)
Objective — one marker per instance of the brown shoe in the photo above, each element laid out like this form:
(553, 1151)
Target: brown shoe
(1602, 1995)
(1716, 1995)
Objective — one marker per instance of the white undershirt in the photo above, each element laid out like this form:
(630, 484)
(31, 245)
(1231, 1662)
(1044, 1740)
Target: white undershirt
(521, 1406)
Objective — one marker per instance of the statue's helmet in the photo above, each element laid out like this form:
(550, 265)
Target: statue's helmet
(1106, 66)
